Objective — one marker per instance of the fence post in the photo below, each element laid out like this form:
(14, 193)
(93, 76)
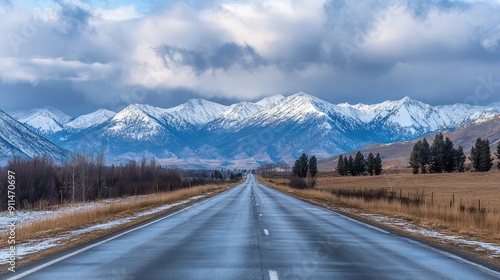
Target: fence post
(479, 205)
(432, 198)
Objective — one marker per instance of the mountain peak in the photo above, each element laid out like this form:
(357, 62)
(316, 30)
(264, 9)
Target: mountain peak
(302, 94)
(91, 120)
(406, 99)
(47, 120)
(270, 100)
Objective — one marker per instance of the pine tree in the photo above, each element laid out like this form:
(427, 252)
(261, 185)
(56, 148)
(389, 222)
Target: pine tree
(460, 159)
(415, 157)
(359, 163)
(449, 154)
(437, 163)
(369, 163)
(480, 156)
(475, 154)
(498, 155)
(424, 155)
(486, 161)
(350, 164)
(313, 166)
(303, 163)
(346, 166)
(340, 166)
(377, 165)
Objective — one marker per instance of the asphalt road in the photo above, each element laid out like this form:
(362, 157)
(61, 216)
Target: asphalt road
(254, 232)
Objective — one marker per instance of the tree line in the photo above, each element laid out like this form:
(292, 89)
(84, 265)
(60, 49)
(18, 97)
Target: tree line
(359, 165)
(441, 156)
(86, 177)
(301, 168)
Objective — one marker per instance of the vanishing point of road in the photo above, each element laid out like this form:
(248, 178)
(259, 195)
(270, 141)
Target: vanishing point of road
(254, 232)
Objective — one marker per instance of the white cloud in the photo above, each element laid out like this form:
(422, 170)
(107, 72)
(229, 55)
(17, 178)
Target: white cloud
(34, 70)
(298, 44)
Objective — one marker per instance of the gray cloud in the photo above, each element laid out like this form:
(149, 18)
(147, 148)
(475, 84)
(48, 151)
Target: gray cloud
(342, 51)
(222, 57)
(74, 18)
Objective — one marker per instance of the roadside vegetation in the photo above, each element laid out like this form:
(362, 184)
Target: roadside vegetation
(42, 184)
(447, 199)
(466, 205)
(63, 221)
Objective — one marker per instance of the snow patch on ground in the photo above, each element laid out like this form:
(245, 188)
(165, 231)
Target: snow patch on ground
(34, 246)
(24, 216)
(407, 226)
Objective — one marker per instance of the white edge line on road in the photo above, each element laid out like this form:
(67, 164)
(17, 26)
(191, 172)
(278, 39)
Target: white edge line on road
(28, 272)
(455, 257)
(266, 232)
(273, 275)
(361, 223)
(317, 207)
(422, 244)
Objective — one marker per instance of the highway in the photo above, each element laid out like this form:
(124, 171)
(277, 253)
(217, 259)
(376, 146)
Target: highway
(254, 232)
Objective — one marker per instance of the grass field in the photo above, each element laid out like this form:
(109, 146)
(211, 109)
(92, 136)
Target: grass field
(469, 189)
(436, 193)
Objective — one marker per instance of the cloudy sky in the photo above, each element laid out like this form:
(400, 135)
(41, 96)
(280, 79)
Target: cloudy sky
(80, 55)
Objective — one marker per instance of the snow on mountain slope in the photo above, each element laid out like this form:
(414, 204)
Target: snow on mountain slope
(91, 120)
(18, 140)
(195, 112)
(47, 120)
(136, 122)
(298, 107)
(271, 129)
(269, 101)
(235, 115)
(241, 111)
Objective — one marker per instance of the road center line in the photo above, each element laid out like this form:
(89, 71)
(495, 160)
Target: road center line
(266, 232)
(273, 275)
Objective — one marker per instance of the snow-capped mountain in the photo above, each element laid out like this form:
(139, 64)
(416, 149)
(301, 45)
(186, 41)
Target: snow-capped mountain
(17, 140)
(274, 128)
(46, 120)
(194, 113)
(90, 120)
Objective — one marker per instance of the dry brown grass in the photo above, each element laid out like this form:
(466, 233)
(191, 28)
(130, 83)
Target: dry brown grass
(468, 189)
(75, 220)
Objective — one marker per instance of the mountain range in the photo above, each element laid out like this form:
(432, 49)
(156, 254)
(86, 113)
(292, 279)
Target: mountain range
(205, 134)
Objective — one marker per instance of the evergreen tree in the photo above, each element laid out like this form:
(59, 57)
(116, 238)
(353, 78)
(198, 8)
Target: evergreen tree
(475, 154)
(302, 166)
(460, 159)
(377, 165)
(480, 156)
(486, 161)
(437, 162)
(424, 155)
(350, 164)
(313, 166)
(346, 166)
(449, 154)
(359, 163)
(369, 163)
(340, 166)
(415, 157)
(498, 155)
